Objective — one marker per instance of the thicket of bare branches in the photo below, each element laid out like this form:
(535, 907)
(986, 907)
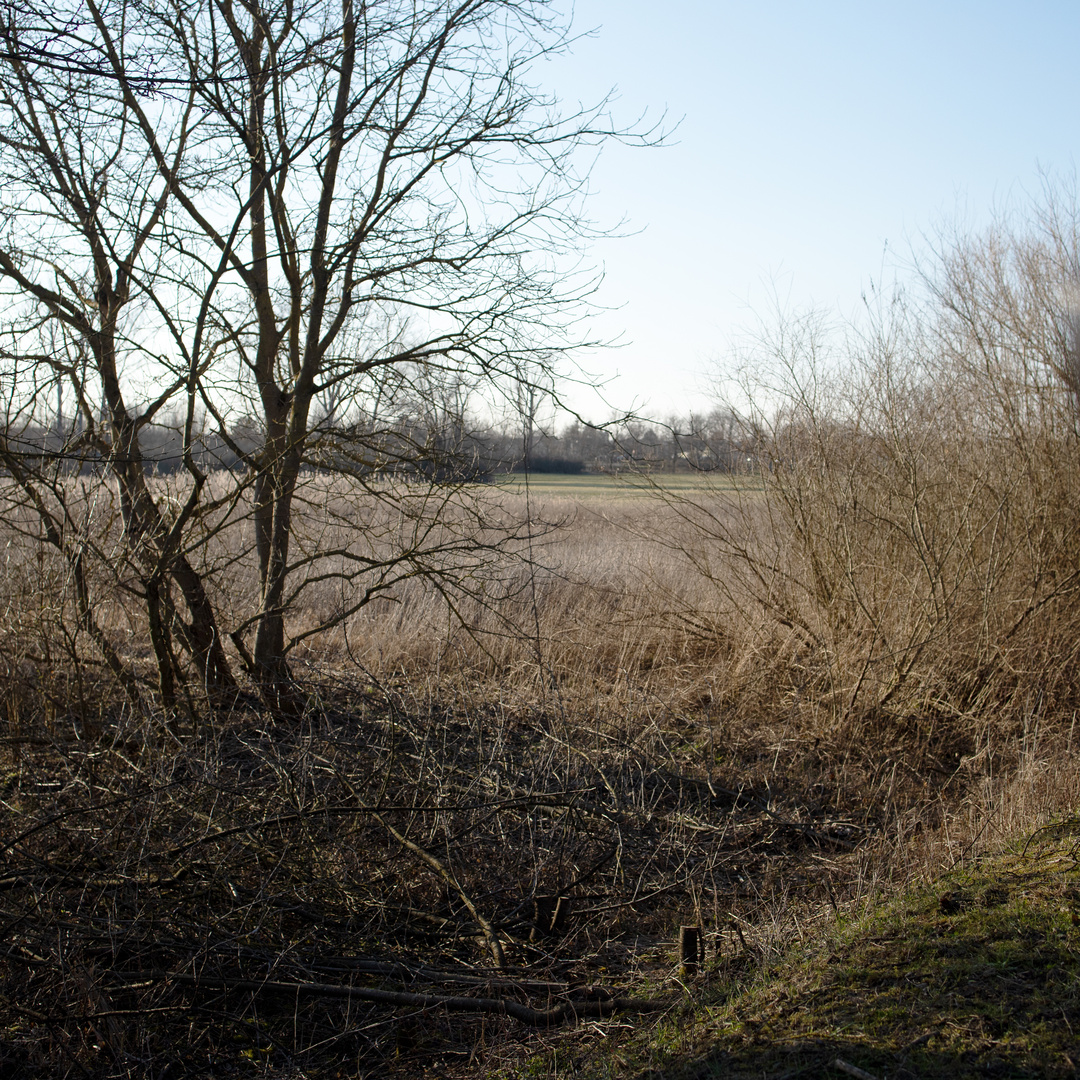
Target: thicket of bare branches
(912, 550)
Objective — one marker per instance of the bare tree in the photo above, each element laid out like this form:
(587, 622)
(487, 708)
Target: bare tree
(224, 209)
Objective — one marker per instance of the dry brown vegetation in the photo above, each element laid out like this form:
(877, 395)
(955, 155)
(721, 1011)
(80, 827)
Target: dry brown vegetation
(742, 705)
(334, 762)
(234, 893)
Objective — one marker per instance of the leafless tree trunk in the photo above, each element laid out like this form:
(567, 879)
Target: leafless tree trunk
(65, 146)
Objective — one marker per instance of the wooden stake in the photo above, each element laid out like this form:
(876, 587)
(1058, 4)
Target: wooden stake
(690, 949)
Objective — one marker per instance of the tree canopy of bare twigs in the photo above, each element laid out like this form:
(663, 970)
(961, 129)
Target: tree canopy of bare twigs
(270, 225)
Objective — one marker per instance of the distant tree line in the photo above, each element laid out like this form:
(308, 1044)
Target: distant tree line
(443, 444)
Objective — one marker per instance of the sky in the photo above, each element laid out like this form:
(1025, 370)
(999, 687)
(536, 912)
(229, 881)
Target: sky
(820, 146)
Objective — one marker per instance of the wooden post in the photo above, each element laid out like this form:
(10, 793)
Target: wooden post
(689, 949)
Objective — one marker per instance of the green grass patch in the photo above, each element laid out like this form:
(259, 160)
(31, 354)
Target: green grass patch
(625, 485)
(976, 975)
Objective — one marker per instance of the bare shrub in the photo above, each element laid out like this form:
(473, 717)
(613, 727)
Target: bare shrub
(909, 551)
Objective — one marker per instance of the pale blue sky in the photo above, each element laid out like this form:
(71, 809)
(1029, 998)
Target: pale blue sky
(819, 143)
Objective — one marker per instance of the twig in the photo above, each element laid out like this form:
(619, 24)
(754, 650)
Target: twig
(853, 1070)
(342, 809)
(490, 935)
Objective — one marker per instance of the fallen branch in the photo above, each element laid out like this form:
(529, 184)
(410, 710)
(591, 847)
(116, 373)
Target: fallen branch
(490, 936)
(399, 971)
(853, 1070)
(558, 1014)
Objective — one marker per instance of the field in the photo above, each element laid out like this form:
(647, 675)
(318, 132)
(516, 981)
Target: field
(606, 487)
(474, 852)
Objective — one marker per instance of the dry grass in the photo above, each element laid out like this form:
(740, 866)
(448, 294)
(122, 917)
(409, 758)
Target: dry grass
(573, 732)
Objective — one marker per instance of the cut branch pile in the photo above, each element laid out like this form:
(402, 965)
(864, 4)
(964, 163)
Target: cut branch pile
(366, 887)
